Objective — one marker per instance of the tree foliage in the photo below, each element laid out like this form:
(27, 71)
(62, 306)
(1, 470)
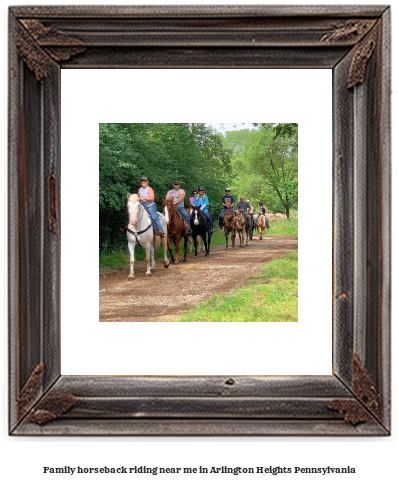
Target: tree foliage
(265, 166)
(288, 130)
(191, 152)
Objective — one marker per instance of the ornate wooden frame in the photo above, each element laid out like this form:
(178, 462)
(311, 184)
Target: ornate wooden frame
(353, 41)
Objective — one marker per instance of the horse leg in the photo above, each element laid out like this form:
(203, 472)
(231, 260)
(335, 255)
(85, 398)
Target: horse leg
(165, 257)
(177, 242)
(190, 240)
(233, 239)
(195, 240)
(207, 241)
(227, 238)
(131, 251)
(148, 258)
(172, 257)
(152, 254)
(185, 248)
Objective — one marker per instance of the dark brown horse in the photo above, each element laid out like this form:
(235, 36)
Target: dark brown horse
(232, 224)
(177, 229)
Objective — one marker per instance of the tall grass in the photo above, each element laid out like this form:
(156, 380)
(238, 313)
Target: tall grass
(272, 297)
(283, 227)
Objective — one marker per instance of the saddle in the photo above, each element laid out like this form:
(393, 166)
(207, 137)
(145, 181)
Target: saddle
(126, 229)
(185, 226)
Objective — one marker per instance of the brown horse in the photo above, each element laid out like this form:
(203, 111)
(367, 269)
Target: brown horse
(232, 224)
(241, 227)
(177, 229)
(261, 226)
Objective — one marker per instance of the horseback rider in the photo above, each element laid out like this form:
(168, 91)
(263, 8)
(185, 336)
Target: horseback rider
(227, 202)
(147, 198)
(262, 211)
(251, 213)
(243, 206)
(193, 195)
(178, 196)
(202, 201)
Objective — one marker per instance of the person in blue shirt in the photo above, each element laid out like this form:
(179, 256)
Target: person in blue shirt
(226, 201)
(202, 201)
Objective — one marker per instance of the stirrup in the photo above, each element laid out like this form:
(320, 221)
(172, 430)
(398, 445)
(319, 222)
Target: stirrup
(159, 233)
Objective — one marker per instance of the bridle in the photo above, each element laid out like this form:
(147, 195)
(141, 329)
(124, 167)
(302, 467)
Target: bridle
(136, 234)
(173, 212)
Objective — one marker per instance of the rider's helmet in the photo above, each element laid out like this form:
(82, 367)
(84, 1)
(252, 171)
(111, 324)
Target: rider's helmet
(227, 189)
(194, 191)
(248, 200)
(260, 203)
(201, 188)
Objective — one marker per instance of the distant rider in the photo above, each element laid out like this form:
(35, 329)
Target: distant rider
(243, 206)
(262, 211)
(193, 195)
(227, 201)
(202, 201)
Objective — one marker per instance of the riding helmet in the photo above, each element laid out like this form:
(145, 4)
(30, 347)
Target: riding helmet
(227, 189)
(260, 203)
(201, 188)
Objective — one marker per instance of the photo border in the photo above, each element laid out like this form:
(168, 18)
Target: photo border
(352, 41)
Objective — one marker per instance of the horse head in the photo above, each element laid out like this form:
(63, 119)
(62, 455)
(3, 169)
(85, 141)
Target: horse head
(196, 214)
(169, 208)
(133, 208)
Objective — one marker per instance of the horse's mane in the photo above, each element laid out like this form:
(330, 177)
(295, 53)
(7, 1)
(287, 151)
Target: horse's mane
(133, 198)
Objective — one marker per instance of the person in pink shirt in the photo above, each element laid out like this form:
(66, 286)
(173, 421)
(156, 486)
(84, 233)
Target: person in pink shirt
(194, 194)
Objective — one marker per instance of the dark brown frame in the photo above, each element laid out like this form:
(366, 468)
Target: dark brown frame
(353, 41)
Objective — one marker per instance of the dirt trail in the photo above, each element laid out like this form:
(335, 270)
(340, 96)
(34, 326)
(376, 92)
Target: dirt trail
(170, 292)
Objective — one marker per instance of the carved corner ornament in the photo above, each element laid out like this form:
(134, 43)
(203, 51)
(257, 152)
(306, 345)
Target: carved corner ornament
(39, 46)
(362, 32)
(51, 407)
(367, 405)
(363, 52)
(30, 390)
(351, 31)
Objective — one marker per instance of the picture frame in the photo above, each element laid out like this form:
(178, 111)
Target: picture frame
(352, 41)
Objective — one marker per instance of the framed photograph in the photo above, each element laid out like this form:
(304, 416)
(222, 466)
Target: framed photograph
(353, 44)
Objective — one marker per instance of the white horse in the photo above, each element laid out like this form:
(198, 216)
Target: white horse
(140, 231)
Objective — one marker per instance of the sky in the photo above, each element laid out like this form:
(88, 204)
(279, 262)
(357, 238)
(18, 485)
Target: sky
(230, 126)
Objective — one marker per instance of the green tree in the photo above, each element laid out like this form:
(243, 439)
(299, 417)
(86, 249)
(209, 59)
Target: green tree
(267, 168)
(190, 152)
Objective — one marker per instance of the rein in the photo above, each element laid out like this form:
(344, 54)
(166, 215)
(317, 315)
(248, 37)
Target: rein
(180, 220)
(136, 234)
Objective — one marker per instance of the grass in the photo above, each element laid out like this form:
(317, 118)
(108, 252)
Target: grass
(272, 297)
(283, 227)
(119, 258)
